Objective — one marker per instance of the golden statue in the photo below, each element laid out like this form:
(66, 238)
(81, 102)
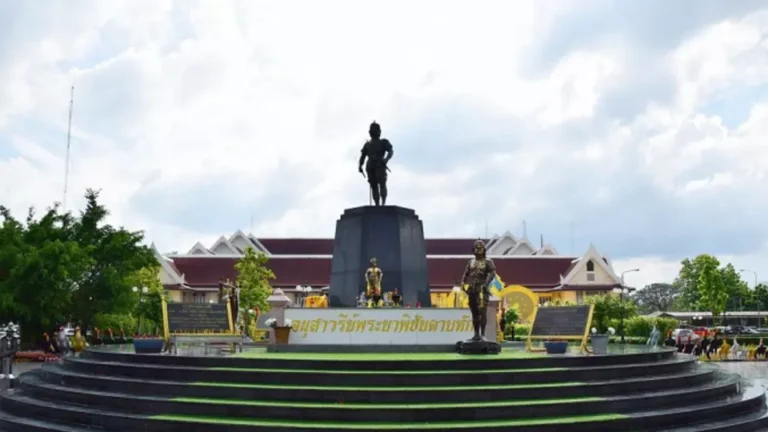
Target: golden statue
(373, 278)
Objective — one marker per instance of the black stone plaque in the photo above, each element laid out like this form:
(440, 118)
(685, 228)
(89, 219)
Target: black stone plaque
(566, 322)
(198, 318)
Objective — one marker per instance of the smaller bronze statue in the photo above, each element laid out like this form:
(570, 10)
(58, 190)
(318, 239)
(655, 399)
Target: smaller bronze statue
(397, 299)
(373, 278)
(479, 274)
(378, 151)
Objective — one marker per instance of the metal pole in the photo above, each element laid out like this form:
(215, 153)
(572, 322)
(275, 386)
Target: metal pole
(621, 301)
(757, 297)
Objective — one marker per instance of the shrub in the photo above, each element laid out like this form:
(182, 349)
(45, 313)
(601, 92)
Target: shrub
(512, 315)
(642, 326)
(608, 311)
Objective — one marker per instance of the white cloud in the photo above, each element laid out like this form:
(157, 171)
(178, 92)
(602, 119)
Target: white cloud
(196, 117)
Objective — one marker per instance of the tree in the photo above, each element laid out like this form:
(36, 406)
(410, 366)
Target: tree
(116, 255)
(688, 279)
(149, 306)
(760, 297)
(39, 265)
(656, 297)
(610, 308)
(512, 315)
(253, 278)
(737, 292)
(57, 269)
(739, 295)
(712, 290)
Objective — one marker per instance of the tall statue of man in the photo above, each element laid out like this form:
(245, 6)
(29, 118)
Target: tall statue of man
(378, 151)
(479, 274)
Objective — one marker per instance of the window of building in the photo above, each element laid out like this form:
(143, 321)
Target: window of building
(544, 300)
(590, 271)
(580, 297)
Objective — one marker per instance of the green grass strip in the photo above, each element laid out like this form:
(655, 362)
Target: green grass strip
(385, 372)
(385, 389)
(263, 354)
(370, 406)
(388, 426)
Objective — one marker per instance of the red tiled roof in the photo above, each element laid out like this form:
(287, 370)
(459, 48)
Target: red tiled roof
(450, 246)
(206, 271)
(533, 272)
(324, 246)
(298, 246)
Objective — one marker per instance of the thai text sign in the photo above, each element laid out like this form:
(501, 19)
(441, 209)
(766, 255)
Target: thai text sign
(379, 326)
(198, 317)
(561, 322)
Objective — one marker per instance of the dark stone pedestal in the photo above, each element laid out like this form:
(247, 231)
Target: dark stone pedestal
(395, 236)
(478, 347)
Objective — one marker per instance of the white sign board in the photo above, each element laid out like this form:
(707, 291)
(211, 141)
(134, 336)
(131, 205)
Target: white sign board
(330, 326)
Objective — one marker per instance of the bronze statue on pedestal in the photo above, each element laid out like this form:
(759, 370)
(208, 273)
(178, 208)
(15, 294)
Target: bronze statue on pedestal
(479, 274)
(378, 151)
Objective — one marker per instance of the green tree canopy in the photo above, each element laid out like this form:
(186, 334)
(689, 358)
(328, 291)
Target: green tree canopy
(656, 297)
(737, 293)
(608, 309)
(254, 278)
(713, 294)
(149, 306)
(116, 255)
(57, 268)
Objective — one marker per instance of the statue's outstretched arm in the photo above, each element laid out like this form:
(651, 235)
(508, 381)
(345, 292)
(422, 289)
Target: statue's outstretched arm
(363, 154)
(389, 151)
(465, 275)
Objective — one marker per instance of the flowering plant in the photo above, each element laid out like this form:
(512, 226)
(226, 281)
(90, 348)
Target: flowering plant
(272, 322)
(611, 331)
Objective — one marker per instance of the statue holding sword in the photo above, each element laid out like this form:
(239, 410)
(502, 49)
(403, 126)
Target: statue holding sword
(378, 151)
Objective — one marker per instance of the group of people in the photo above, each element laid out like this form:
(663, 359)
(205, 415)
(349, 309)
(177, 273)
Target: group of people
(717, 348)
(61, 344)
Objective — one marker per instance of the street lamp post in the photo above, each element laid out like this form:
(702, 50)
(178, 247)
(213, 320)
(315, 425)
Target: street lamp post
(623, 291)
(754, 273)
(141, 293)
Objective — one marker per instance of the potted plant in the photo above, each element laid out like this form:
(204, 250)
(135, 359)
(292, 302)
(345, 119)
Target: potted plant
(282, 333)
(600, 340)
(148, 344)
(556, 346)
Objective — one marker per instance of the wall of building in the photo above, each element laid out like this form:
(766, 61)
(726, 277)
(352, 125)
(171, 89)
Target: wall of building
(174, 296)
(598, 277)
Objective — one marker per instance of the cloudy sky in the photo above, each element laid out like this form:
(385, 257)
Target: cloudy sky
(635, 125)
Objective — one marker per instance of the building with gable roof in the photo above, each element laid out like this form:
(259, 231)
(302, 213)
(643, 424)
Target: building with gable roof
(301, 262)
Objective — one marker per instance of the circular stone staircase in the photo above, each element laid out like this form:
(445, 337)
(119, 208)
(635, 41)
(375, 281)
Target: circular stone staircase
(635, 391)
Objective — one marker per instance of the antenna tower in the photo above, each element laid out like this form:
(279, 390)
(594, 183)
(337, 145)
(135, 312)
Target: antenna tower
(69, 141)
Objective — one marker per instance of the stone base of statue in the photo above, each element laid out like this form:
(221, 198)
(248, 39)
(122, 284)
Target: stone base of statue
(473, 347)
(395, 237)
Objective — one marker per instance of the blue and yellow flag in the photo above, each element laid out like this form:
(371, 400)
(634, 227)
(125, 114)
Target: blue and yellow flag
(496, 285)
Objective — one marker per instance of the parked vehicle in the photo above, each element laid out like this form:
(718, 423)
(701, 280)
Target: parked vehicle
(701, 331)
(684, 334)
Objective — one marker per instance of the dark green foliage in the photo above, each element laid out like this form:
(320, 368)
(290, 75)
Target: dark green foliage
(56, 268)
